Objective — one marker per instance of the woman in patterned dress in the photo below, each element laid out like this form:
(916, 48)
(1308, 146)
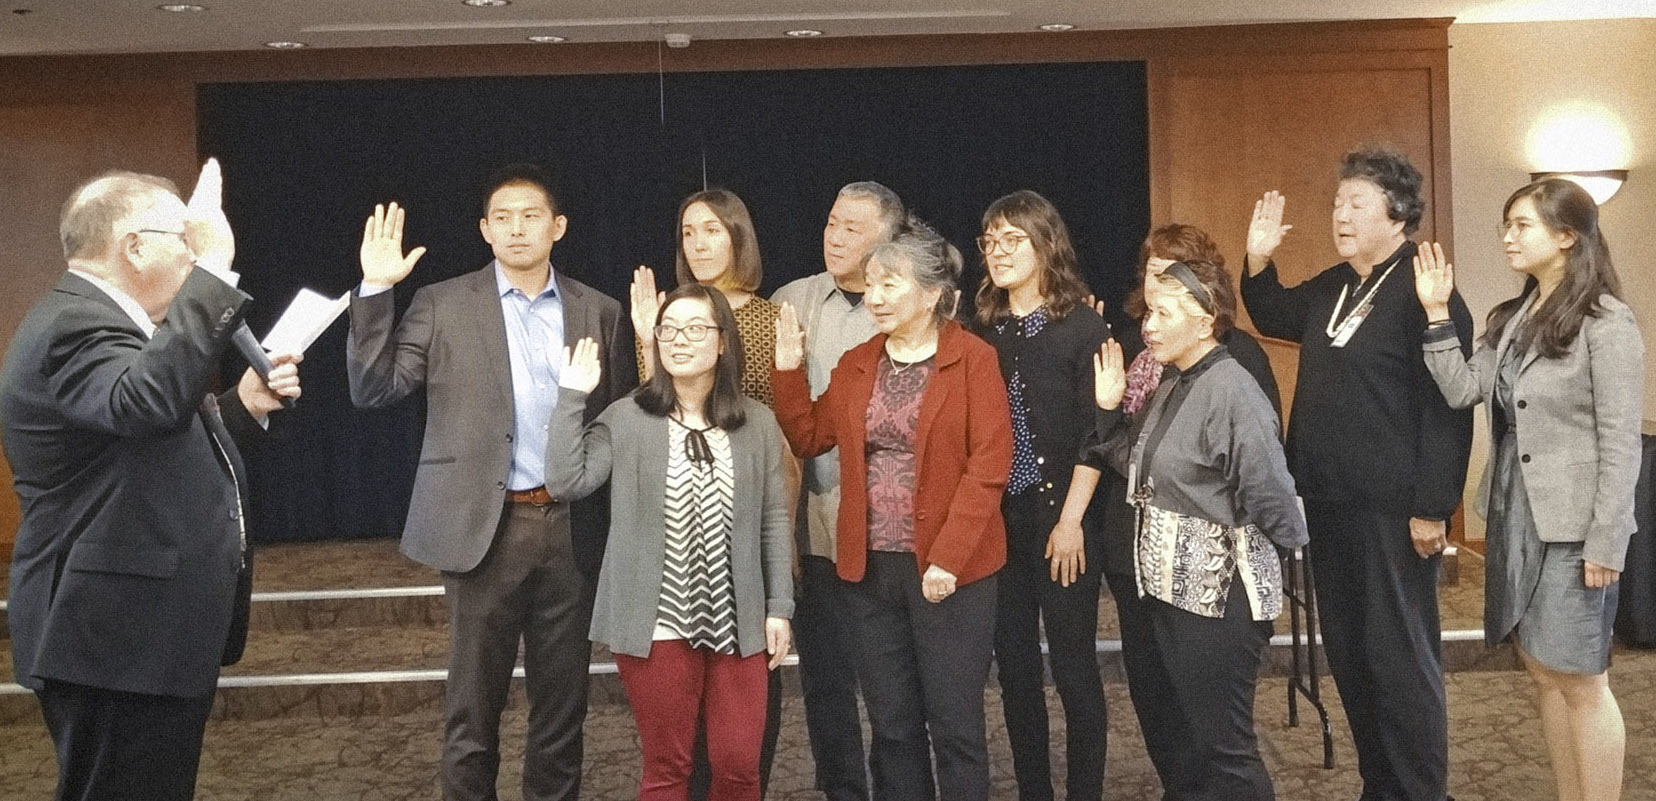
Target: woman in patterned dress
(1562, 367)
(920, 417)
(696, 587)
(1213, 495)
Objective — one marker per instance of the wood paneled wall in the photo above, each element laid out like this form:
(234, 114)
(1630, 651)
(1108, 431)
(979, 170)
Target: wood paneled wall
(1233, 111)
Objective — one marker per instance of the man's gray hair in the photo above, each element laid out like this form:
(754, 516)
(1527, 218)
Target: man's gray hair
(891, 208)
(87, 226)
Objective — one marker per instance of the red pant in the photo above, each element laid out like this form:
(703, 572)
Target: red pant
(674, 688)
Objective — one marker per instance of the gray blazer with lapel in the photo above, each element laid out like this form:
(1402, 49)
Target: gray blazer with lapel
(1577, 427)
(628, 447)
(452, 342)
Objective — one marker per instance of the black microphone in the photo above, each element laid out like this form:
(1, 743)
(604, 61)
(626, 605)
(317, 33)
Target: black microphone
(250, 349)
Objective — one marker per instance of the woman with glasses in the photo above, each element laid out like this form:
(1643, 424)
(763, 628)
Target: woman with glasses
(920, 417)
(696, 587)
(1213, 500)
(1031, 307)
(1562, 367)
(719, 248)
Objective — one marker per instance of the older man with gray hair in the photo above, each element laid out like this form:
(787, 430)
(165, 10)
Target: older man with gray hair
(834, 319)
(130, 572)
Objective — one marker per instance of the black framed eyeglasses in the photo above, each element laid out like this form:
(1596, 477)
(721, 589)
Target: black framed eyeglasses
(695, 332)
(1008, 243)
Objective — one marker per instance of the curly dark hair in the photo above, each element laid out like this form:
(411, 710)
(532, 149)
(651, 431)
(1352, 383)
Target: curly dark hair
(1390, 170)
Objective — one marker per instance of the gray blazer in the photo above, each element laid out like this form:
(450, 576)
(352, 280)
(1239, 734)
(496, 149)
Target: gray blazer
(628, 447)
(452, 342)
(1577, 427)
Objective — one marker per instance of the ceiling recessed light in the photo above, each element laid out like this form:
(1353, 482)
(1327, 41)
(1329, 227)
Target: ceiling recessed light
(1057, 27)
(546, 38)
(181, 8)
(487, 3)
(284, 45)
(804, 33)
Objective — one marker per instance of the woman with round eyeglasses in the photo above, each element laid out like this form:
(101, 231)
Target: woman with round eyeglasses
(1032, 308)
(696, 588)
(925, 440)
(1562, 369)
(1214, 501)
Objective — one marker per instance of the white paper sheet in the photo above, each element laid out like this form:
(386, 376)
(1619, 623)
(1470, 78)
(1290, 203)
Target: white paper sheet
(306, 318)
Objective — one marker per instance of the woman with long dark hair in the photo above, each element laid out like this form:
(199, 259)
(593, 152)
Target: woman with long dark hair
(1031, 307)
(1562, 369)
(696, 587)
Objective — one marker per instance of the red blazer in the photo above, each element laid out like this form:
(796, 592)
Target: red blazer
(963, 448)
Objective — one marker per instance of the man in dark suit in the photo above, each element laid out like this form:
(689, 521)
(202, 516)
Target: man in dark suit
(125, 574)
(486, 347)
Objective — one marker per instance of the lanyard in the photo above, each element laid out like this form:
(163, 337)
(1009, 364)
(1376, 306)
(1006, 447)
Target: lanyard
(1340, 328)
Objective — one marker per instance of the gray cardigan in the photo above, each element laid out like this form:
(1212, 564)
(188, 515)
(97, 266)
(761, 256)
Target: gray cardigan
(628, 447)
(1577, 426)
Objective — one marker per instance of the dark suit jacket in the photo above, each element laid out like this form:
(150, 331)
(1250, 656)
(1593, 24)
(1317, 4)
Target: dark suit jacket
(452, 342)
(124, 574)
(963, 451)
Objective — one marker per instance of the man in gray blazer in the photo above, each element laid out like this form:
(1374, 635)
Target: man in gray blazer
(516, 565)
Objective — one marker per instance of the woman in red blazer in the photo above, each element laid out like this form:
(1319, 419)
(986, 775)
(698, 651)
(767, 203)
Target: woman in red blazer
(920, 416)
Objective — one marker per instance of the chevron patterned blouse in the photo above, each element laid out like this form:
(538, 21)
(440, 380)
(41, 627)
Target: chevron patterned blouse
(697, 595)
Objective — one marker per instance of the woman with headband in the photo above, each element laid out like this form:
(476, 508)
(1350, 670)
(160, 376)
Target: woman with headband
(1214, 501)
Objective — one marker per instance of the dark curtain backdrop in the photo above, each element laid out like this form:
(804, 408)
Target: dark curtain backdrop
(305, 162)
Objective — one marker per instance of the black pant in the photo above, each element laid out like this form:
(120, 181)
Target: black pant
(827, 671)
(1027, 599)
(1379, 605)
(113, 745)
(1149, 684)
(527, 588)
(1213, 664)
(923, 668)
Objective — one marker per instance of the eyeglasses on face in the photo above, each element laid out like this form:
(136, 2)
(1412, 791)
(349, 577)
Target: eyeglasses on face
(695, 332)
(179, 234)
(1008, 243)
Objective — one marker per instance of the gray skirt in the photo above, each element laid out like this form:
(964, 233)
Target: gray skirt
(1535, 591)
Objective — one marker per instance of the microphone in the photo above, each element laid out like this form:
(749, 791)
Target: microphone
(250, 349)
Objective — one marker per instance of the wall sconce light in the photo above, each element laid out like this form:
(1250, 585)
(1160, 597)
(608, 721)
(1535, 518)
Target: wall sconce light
(1601, 184)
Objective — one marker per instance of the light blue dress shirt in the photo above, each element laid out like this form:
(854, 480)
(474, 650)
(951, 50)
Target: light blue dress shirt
(534, 344)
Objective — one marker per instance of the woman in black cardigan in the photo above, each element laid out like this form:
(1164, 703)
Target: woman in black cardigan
(1031, 307)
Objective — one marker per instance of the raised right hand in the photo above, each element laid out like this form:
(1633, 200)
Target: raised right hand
(790, 339)
(1434, 280)
(1265, 230)
(1109, 376)
(646, 303)
(383, 262)
(580, 369)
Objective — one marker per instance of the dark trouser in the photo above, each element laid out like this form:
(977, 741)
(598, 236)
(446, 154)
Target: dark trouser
(1150, 685)
(527, 588)
(701, 769)
(1214, 665)
(827, 672)
(113, 745)
(1379, 605)
(923, 668)
(1028, 598)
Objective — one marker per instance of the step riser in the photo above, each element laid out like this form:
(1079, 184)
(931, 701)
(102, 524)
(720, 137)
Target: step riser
(336, 700)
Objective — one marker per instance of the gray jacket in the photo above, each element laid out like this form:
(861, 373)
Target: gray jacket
(1577, 427)
(628, 447)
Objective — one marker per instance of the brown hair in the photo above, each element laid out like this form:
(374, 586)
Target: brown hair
(1221, 293)
(745, 272)
(1178, 242)
(1563, 207)
(1059, 275)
